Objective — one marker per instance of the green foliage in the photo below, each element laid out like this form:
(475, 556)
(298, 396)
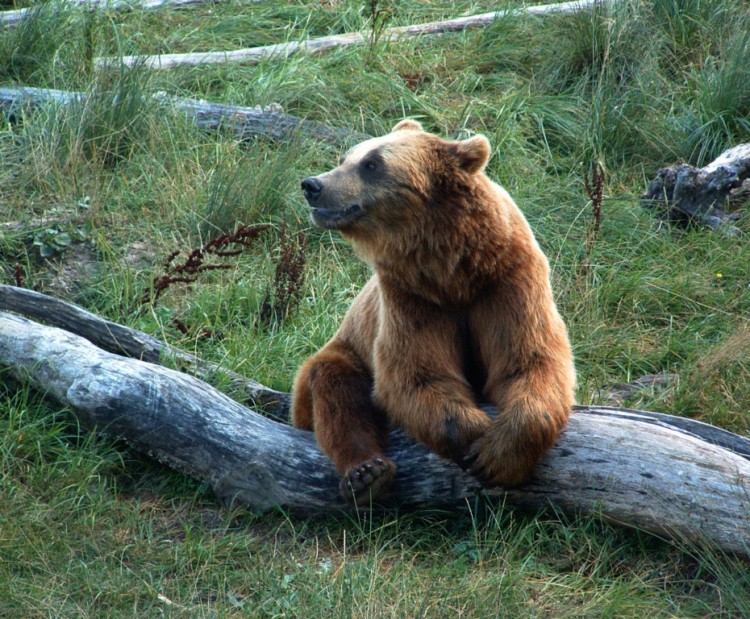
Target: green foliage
(720, 97)
(62, 148)
(88, 528)
(51, 241)
(249, 187)
(113, 119)
(54, 39)
(378, 13)
(693, 26)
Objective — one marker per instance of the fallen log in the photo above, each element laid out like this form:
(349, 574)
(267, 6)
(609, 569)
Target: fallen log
(254, 55)
(671, 476)
(685, 195)
(122, 340)
(243, 122)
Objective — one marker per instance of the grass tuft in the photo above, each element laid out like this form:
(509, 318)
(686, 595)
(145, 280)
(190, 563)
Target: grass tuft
(720, 98)
(248, 187)
(52, 40)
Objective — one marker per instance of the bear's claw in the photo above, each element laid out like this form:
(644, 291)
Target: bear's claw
(473, 465)
(367, 481)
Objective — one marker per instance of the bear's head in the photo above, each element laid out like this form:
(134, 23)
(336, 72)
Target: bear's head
(407, 180)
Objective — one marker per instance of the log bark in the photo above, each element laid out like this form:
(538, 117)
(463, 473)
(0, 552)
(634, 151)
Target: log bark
(255, 55)
(243, 122)
(122, 340)
(685, 195)
(671, 476)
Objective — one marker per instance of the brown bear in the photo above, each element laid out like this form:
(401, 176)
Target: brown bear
(459, 311)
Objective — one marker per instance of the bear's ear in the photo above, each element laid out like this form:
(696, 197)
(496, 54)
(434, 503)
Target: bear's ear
(408, 125)
(472, 154)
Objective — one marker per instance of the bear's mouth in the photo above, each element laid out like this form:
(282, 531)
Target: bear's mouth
(334, 219)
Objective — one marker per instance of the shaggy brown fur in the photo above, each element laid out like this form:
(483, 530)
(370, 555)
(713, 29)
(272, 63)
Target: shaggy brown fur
(459, 311)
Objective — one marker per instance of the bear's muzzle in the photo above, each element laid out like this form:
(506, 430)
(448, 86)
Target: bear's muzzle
(330, 216)
(312, 188)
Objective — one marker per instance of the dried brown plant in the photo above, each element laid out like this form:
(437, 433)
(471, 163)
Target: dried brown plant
(18, 275)
(594, 183)
(186, 272)
(288, 279)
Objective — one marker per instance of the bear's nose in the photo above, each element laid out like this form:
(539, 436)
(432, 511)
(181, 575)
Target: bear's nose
(312, 188)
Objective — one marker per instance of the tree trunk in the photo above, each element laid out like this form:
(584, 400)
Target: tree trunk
(254, 55)
(672, 476)
(243, 122)
(684, 195)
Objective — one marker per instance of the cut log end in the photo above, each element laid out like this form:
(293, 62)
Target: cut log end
(684, 195)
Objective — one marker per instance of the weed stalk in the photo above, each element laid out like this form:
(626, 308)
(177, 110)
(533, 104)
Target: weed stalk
(288, 279)
(594, 183)
(378, 17)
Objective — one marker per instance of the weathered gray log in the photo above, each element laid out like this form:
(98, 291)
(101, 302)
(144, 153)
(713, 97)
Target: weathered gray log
(122, 340)
(684, 195)
(246, 122)
(674, 477)
(243, 122)
(34, 224)
(126, 341)
(315, 46)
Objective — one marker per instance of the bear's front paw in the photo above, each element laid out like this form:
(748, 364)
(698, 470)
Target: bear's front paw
(474, 464)
(493, 467)
(460, 436)
(368, 481)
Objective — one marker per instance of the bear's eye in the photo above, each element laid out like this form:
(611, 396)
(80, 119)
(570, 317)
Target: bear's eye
(372, 164)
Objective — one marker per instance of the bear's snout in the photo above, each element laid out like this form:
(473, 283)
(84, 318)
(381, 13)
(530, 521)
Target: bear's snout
(312, 188)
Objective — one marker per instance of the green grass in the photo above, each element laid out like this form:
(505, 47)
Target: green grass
(89, 529)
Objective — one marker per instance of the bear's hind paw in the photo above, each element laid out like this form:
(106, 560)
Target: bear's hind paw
(368, 481)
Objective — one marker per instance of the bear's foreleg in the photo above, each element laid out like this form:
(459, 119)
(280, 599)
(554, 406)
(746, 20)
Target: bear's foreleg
(523, 345)
(438, 411)
(332, 396)
(420, 382)
(533, 408)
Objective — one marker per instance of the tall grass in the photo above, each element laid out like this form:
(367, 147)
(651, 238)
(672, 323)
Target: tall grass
(245, 188)
(61, 144)
(720, 97)
(53, 40)
(692, 27)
